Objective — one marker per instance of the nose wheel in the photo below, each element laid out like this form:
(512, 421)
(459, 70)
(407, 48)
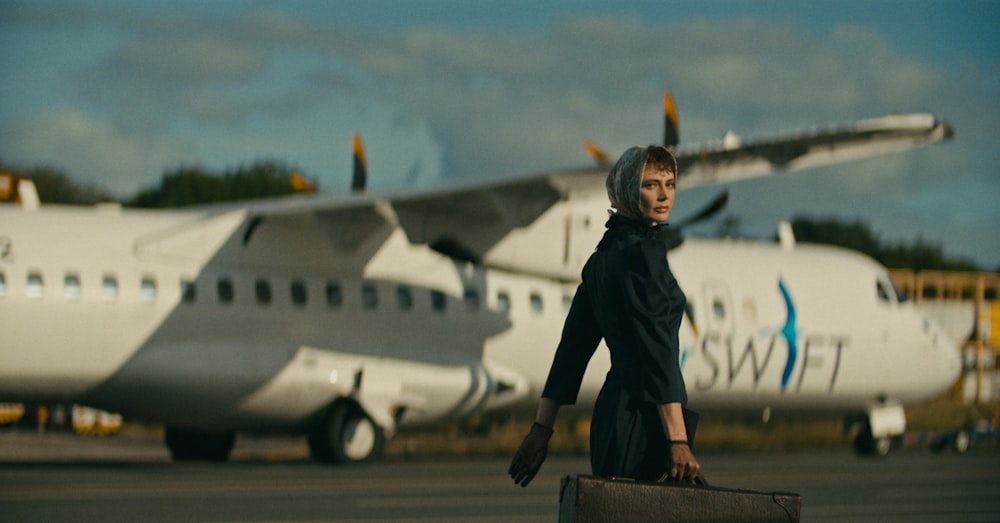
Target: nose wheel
(866, 443)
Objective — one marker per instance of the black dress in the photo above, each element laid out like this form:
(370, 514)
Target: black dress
(629, 297)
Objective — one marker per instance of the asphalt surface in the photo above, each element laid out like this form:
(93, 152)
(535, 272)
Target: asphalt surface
(60, 477)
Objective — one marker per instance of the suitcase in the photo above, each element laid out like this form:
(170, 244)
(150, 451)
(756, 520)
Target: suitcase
(590, 499)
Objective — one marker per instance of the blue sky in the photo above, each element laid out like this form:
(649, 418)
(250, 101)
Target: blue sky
(117, 92)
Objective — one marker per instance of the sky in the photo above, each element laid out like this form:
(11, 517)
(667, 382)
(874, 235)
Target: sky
(116, 93)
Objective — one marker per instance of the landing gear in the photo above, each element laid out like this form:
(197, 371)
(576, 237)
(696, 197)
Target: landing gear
(345, 434)
(195, 445)
(866, 443)
(880, 428)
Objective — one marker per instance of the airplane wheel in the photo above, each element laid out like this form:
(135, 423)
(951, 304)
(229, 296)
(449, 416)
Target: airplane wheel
(866, 443)
(882, 446)
(346, 435)
(962, 441)
(194, 445)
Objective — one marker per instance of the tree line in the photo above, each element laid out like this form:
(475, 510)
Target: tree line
(179, 187)
(918, 255)
(184, 186)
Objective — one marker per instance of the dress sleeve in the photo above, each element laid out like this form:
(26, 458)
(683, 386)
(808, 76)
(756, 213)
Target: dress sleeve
(580, 337)
(656, 305)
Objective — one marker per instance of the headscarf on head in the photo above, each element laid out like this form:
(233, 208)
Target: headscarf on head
(624, 182)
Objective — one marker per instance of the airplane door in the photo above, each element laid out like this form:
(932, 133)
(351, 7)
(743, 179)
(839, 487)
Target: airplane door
(713, 314)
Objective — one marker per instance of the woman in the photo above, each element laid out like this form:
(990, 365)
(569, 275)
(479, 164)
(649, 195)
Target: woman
(628, 297)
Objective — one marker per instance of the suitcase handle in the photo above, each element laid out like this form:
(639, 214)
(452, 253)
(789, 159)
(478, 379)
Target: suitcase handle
(698, 481)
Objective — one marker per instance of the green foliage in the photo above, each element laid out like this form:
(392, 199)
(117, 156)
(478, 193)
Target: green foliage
(195, 186)
(858, 236)
(55, 186)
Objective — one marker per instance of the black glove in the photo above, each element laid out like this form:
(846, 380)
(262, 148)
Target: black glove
(529, 457)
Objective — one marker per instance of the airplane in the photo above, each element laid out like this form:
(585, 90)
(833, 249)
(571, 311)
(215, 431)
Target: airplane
(346, 318)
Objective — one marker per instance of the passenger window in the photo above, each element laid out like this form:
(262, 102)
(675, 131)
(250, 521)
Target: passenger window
(334, 296)
(262, 291)
(471, 300)
(719, 309)
(369, 296)
(188, 293)
(536, 302)
(404, 296)
(71, 287)
(109, 287)
(503, 301)
(36, 287)
(147, 289)
(438, 301)
(299, 294)
(225, 291)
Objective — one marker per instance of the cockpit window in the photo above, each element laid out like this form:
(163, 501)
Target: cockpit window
(885, 291)
(901, 294)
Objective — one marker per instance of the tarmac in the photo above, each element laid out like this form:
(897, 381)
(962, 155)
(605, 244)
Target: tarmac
(58, 477)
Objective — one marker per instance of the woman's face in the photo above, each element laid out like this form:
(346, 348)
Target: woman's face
(656, 192)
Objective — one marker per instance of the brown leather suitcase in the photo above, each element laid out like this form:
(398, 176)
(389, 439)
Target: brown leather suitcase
(590, 499)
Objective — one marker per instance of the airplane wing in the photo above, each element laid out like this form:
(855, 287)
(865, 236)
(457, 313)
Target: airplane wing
(731, 159)
(465, 220)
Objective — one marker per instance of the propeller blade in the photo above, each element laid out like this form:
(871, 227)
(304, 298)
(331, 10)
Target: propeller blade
(708, 211)
(671, 127)
(360, 179)
(674, 235)
(300, 183)
(597, 153)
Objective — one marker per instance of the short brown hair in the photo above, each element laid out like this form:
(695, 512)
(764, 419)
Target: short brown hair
(661, 157)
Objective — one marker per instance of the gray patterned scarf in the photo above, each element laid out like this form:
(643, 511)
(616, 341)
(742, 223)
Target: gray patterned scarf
(625, 179)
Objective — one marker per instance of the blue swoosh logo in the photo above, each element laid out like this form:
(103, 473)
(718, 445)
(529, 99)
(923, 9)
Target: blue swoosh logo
(788, 331)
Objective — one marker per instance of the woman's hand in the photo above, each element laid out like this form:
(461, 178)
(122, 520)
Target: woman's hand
(683, 465)
(529, 457)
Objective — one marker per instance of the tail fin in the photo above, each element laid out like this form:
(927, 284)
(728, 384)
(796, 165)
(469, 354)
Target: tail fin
(671, 128)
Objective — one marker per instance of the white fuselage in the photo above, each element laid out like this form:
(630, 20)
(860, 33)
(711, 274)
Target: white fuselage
(195, 320)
